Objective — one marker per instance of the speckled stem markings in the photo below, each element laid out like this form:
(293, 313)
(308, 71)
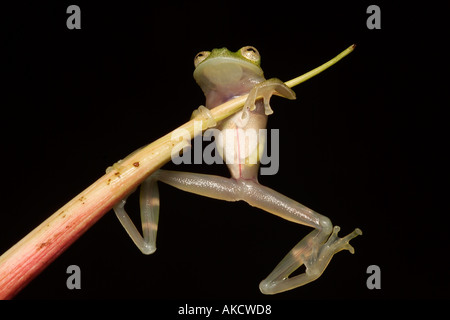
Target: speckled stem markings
(27, 258)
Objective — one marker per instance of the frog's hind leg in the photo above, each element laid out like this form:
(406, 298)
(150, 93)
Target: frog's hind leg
(311, 252)
(206, 185)
(314, 251)
(149, 203)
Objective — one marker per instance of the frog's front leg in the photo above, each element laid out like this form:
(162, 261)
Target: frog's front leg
(266, 89)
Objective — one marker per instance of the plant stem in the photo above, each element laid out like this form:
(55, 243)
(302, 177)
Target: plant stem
(27, 258)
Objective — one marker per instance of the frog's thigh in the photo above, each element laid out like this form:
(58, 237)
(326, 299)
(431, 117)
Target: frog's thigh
(211, 186)
(278, 204)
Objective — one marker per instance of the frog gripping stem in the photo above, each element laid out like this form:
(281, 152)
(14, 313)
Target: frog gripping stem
(265, 90)
(31, 255)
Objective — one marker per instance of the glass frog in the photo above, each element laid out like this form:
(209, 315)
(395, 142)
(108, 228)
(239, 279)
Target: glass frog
(224, 75)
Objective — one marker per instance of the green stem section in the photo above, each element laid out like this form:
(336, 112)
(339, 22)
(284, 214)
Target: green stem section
(316, 71)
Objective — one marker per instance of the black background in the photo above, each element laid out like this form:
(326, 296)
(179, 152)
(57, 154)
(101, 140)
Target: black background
(363, 144)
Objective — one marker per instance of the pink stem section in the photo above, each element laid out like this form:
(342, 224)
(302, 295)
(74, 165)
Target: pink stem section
(27, 258)
(39, 248)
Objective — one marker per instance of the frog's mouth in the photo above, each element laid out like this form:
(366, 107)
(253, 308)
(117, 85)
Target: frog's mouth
(224, 72)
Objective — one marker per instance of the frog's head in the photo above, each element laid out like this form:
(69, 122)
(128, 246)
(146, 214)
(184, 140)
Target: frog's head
(222, 68)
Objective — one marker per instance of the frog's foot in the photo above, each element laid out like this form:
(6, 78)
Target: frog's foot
(265, 90)
(204, 114)
(335, 244)
(313, 253)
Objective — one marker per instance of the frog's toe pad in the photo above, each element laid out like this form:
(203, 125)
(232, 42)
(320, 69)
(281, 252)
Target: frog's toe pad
(335, 244)
(204, 114)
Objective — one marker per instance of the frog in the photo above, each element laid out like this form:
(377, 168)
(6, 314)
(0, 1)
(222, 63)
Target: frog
(223, 75)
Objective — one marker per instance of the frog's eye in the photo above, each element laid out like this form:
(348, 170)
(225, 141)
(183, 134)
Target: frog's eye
(200, 57)
(250, 53)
